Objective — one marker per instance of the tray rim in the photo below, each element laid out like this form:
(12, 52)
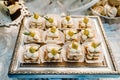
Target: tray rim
(30, 72)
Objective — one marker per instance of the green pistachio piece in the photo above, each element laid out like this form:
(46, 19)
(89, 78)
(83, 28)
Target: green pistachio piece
(70, 33)
(54, 51)
(74, 46)
(86, 20)
(67, 18)
(86, 32)
(32, 34)
(95, 45)
(32, 49)
(26, 33)
(36, 15)
(53, 29)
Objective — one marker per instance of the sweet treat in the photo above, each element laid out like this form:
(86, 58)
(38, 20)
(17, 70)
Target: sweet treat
(74, 51)
(118, 11)
(99, 9)
(85, 23)
(33, 35)
(71, 34)
(112, 12)
(52, 34)
(114, 2)
(93, 51)
(37, 21)
(67, 22)
(86, 35)
(52, 54)
(14, 8)
(31, 53)
(50, 21)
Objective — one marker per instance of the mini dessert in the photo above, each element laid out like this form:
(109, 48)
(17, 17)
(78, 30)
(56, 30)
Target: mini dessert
(52, 54)
(71, 34)
(74, 52)
(31, 53)
(52, 34)
(118, 11)
(50, 21)
(93, 51)
(112, 12)
(67, 22)
(114, 2)
(86, 35)
(14, 8)
(37, 21)
(85, 23)
(33, 35)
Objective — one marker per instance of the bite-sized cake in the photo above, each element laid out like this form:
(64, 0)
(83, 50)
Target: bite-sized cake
(71, 34)
(86, 35)
(51, 21)
(52, 34)
(93, 52)
(14, 8)
(74, 51)
(52, 54)
(67, 22)
(85, 23)
(31, 53)
(33, 35)
(37, 21)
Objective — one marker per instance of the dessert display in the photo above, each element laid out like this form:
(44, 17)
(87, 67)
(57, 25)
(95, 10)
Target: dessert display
(37, 22)
(86, 35)
(51, 53)
(67, 22)
(31, 53)
(93, 52)
(84, 23)
(109, 8)
(68, 44)
(73, 52)
(33, 35)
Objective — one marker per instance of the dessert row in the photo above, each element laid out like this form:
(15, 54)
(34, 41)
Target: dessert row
(49, 21)
(70, 52)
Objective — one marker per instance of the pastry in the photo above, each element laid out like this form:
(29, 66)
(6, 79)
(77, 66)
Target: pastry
(67, 22)
(112, 12)
(71, 34)
(37, 21)
(86, 35)
(74, 51)
(114, 2)
(93, 51)
(14, 8)
(98, 9)
(31, 53)
(85, 23)
(50, 21)
(118, 11)
(52, 54)
(52, 34)
(33, 35)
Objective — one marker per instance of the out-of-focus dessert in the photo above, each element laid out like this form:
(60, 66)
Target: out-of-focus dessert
(105, 8)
